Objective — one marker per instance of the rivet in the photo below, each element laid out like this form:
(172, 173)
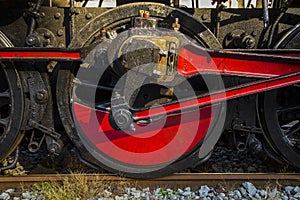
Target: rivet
(47, 35)
(204, 17)
(88, 16)
(146, 14)
(141, 13)
(57, 15)
(103, 32)
(254, 33)
(60, 32)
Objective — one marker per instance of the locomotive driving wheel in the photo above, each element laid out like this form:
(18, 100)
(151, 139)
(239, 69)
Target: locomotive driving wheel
(279, 111)
(121, 46)
(280, 116)
(11, 105)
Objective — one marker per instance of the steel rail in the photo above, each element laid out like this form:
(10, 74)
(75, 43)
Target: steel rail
(181, 180)
(295, 177)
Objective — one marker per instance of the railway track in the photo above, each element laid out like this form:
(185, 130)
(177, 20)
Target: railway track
(193, 183)
(191, 179)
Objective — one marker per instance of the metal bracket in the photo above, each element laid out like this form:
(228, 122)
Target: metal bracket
(249, 129)
(44, 129)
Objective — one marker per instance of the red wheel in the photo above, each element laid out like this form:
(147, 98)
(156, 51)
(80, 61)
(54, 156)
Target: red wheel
(157, 144)
(118, 65)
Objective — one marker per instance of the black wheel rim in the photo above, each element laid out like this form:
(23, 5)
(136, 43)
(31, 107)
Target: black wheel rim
(279, 111)
(11, 105)
(281, 122)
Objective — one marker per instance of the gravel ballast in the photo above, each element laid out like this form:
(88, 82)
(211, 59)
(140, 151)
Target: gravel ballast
(245, 191)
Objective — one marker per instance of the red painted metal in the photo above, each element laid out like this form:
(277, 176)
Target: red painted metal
(193, 60)
(157, 143)
(184, 124)
(231, 93)
(39, 54)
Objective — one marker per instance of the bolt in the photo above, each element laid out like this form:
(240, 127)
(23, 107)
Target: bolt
(141, 13)
(47, 42)
(103, 33)
(57, 15)
(54, 148)
(249, 42)
(254, 33)
(41, 95)
(47, 34)
(42, 14)
(60, 32)
(176, 25)
(146, 14)
(88, 16)
(204, 17)
(32, 40)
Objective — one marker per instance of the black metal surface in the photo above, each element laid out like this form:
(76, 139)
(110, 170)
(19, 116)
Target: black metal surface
(57, 21)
